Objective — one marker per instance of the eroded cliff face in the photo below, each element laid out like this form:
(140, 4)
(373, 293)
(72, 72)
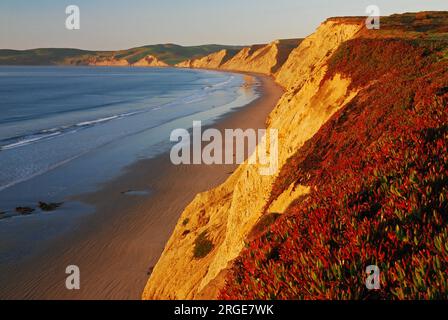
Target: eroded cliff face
(212, 61)
(262, 59)
(147, 61)
(227, 215)
(266, 59)
(150, 61)
(392, 136)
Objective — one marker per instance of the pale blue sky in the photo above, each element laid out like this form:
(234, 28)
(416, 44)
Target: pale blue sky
(120, 24)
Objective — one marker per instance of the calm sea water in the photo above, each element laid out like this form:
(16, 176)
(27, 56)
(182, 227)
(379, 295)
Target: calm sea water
(64, 130)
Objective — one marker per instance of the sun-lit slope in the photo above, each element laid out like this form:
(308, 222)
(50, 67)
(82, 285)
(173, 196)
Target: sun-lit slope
(149, 61)
(377, 171)
(40, 56)
(261, 58)
(225, 216)
(212, 61)
(171, 53)
(265, 59)
(363, 157)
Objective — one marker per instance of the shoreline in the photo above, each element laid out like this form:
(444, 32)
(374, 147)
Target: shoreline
(116, 252)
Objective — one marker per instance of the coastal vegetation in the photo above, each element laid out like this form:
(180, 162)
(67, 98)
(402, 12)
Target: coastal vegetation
(363, 158)
(378, 169)
(202, 246)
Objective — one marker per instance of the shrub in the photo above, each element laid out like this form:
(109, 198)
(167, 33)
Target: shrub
(202, 246)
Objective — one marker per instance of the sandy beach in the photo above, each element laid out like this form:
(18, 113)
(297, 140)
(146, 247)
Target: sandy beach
(117, 246)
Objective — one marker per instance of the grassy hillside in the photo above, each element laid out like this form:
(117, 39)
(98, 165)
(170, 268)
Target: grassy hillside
(40, 56)
(169, 53)
(378, 174)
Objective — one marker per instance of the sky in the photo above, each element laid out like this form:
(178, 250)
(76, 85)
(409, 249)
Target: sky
(123, 24)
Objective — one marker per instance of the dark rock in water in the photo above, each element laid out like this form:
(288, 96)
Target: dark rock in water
(49, 206)
(24, 210)
(5, 215)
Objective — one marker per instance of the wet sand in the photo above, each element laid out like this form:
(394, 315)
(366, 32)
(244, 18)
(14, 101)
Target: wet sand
(117, 246)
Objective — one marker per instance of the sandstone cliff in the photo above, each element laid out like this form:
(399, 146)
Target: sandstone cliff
(113, 61)
(226, 215)
(109, 62)
(212, 61)
(370, 170)
(266, 59)
(150, 61)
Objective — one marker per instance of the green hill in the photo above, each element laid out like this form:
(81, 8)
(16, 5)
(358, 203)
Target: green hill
(169, 53)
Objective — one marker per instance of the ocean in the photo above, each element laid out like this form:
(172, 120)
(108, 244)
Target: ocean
(65, 131)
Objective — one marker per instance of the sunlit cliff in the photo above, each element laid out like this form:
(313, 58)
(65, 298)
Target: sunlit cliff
(357, 104)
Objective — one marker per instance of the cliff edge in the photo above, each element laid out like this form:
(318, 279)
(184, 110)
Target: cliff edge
(363, 131)
(226, 215)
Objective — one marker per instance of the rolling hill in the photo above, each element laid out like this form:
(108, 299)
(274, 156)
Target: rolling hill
(167, 53)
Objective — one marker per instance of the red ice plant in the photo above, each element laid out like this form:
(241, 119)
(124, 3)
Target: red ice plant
(379, 172)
